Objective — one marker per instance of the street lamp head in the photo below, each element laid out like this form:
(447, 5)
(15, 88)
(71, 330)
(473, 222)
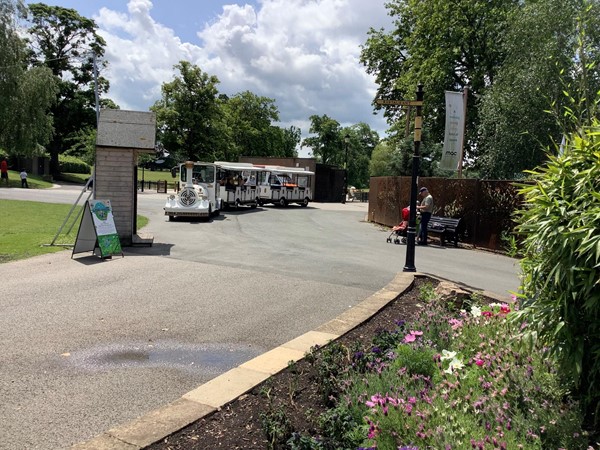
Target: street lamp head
(347, 138)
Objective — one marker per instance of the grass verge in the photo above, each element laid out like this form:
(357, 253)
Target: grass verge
(28, 226)
(34, 181)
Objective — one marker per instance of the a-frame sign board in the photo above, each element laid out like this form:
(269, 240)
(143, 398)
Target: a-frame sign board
(97, 230)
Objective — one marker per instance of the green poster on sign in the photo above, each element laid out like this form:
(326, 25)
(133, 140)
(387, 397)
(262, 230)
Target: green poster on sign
(104, 223)
(97, 230)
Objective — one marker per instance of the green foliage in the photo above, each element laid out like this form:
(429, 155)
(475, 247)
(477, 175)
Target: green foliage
(328, 143)
(514, 131)
(71, 164)
(561, 267)
(249, 118)
(68, 44)
(26, 94)
(362, 141)
(330, 363)
(445, 46)
(186, 114)
(276, 426)
(416, 361)
(514, 57)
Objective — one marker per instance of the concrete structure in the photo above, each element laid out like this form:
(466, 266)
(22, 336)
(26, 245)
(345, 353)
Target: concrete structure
(122, 137)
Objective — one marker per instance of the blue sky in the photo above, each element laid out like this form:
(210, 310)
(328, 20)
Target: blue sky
(304, 54)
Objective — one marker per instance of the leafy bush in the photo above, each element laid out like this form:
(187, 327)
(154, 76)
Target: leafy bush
(71, 164)
(561, 264)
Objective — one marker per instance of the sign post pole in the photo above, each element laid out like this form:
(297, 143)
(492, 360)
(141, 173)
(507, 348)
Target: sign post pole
(409, 265)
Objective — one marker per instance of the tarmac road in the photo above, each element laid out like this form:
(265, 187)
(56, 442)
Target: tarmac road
(89, 344)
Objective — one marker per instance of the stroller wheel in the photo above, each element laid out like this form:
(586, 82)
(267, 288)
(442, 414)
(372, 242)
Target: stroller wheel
(389, 240)
(396, 241)
(404, 240)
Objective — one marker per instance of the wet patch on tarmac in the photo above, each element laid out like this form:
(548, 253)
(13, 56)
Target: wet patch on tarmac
(206, 358)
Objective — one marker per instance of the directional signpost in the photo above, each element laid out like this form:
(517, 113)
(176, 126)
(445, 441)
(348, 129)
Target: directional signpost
(412, 221)
(386, 101)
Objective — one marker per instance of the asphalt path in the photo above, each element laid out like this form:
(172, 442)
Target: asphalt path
(89, 344)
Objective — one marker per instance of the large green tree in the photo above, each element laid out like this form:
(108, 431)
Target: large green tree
(189, 115)
(443, 45)
(362, 141)
(327, 143)
(26, 94)
(250, 117)
(543, 59)
(67, 43)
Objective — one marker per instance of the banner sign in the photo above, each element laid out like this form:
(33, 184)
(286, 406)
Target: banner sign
(97, 230)
(455, 130)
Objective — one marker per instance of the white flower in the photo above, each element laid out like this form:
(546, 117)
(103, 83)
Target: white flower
(475, 311)
(455, 364)
(447, 355)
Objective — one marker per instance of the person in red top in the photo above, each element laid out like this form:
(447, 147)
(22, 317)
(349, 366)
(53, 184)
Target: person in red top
(4, 170)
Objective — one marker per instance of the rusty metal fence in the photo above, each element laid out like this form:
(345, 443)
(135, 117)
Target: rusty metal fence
(486, 206)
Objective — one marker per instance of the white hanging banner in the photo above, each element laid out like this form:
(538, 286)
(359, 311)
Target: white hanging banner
(455, 131)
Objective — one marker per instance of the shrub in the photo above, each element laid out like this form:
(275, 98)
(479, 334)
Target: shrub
(561, 266)
(70, 164)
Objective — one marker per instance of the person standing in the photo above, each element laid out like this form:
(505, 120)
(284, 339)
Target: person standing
(23, 175)
(426, 208)
(4, 170)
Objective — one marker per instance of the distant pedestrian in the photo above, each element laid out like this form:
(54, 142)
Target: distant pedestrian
(23, 175)
(4, 170)
(426, 208)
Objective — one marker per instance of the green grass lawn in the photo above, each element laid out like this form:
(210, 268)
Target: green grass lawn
(28, 226)
(147, 176)
(34, 181)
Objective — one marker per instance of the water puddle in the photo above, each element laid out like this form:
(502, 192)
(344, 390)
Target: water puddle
(208, 358)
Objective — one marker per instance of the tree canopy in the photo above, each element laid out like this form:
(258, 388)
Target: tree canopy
(26, 94)
(69, 45)
(513, 57)
(187, 113)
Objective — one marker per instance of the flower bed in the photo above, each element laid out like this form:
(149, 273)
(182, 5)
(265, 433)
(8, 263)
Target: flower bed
(425, 372)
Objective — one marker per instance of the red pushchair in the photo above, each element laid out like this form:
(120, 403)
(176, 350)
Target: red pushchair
(399, 231)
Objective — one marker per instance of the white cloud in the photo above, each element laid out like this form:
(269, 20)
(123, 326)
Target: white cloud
(303, 53)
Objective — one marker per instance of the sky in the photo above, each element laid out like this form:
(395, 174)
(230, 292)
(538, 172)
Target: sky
(304, 54)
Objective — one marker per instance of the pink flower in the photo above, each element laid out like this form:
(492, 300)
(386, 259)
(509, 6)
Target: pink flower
(504, 308)
(412, 336)
(479, 362)
(456, 324)
(487, 313)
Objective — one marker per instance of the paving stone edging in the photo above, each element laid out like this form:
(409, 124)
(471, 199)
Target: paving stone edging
(225, 388)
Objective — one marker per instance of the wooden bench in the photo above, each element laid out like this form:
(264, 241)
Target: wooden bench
(447, 228)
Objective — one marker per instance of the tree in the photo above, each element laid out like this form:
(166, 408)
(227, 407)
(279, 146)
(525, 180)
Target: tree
(379, 166)
(515, 131)
(189, 116)
(445, 46)
(362, 142)
(250, 117)
(25, 94)
(289, 139)
(68, 44)
(327, 144)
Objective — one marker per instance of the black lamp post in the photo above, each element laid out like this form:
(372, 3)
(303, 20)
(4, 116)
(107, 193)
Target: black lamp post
(345, 189)
(409, 265)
